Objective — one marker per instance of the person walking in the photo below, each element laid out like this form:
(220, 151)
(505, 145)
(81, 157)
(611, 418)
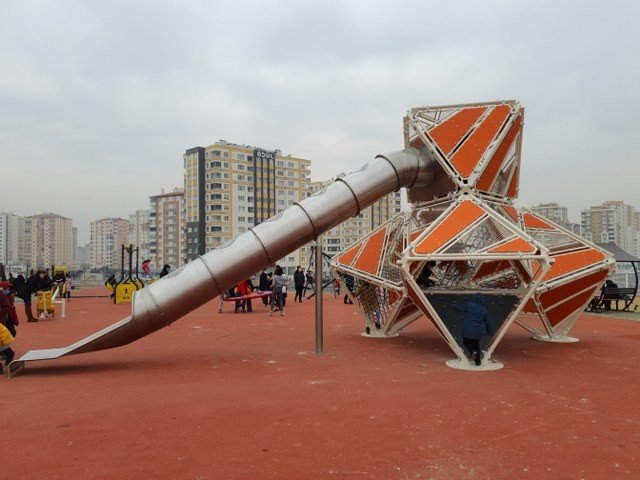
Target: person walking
(475, 324)
(278, 287)
(298, 283)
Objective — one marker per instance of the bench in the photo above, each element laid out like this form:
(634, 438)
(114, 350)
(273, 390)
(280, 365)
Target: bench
(614, 294)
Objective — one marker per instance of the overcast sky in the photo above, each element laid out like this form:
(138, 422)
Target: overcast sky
(100, 99)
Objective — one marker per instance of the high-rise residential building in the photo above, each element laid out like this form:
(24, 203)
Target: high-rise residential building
(350, 231)
(48, 240)
(230, 188)
(139, 231)
(611, 222)
(11, 238)
(107, 237)
(558, 214)
(166, 227)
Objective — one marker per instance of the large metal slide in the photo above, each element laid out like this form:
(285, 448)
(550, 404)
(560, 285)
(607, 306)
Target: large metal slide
(165, 301)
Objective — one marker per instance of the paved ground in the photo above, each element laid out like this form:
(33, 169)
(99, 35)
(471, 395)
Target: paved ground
(244, 397)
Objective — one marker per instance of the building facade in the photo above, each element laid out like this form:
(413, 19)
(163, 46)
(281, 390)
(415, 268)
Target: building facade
(558, 214)
(230, 188)
(610, 222)
(350, 231)
(107, 237)
(48, 240)
(166, 229)
(11, 238)
(139, 232)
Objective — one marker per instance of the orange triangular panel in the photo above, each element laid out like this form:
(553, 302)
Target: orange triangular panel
(532, 221)
(512, 192)
(460, 218)
(511, 211)
(369, 259)
(491, 267)
(517, 245)
(450, 132)
(347, 256)
(471, 151)
(493, 167)
(530, 307)
(571, 262)
(561, 312)
(556, 295)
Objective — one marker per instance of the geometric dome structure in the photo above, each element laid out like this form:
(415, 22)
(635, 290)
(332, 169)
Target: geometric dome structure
(464, 236)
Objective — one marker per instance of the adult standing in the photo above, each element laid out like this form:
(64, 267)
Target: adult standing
(27, 289)
(298, 283)
(278, 287)
(264, 285)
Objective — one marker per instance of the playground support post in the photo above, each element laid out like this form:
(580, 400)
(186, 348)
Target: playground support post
(318, 279)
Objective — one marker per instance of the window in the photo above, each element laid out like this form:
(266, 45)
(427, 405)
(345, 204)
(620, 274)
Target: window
(215, 164)
(280, 163)
(241, 198)
(280, 173)
(291, 165)
(240, 156)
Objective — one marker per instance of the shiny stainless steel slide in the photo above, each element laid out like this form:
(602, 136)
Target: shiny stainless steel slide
(201, 280)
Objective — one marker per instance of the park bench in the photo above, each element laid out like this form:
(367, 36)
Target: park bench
(614, 294)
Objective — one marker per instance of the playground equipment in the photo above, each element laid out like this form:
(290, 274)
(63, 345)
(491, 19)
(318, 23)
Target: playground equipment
(126, 287)
(461, 166)
(471, 238)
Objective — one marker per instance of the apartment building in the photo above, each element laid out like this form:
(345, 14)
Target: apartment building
(11, 238)
(48, 240)
(166, 229)
(350, 231)
(230, 188)
(610, 222)
(558, 214)
(107, 237)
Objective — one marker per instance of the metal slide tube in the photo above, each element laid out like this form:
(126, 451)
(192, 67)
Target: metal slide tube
(194, 284)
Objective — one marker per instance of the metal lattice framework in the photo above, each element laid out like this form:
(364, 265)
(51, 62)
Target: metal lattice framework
(466, 233)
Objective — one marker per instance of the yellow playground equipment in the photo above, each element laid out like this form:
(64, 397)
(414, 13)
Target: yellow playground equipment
(59, 275)
(126, 286)
(45, 304)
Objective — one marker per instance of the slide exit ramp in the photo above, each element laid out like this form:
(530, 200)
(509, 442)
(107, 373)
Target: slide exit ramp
(185, 289)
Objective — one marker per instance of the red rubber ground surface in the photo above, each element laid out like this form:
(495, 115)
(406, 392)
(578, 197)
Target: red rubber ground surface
(243, 396)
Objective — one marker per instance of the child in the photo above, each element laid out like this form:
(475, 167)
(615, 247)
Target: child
(336, 288)
(8, 315)
(6, 339)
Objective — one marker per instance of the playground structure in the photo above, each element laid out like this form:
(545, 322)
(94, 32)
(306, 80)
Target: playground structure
(472, 239)
(461, 168)
(124, 288)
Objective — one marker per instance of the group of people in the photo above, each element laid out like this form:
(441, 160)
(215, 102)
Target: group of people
(273, 289)
(39, 281)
